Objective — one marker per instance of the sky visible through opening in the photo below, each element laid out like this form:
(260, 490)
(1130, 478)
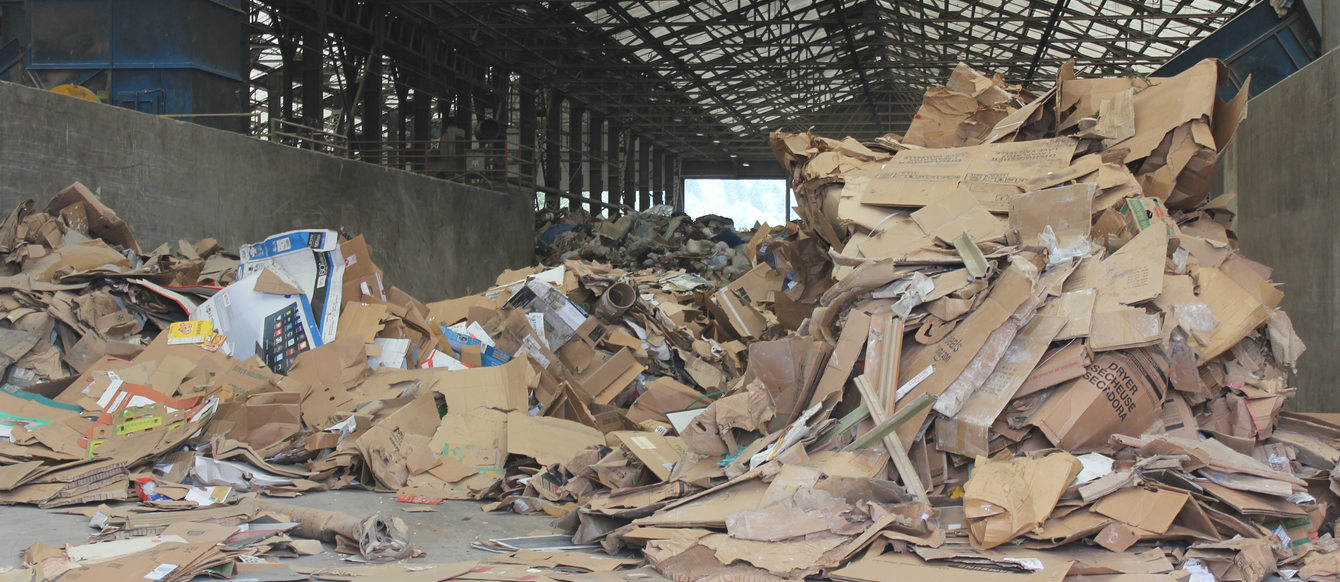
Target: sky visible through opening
(744, 201)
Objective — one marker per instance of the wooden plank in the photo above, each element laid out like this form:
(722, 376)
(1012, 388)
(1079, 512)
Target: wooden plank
(911, 479)
(890, 424)
(844, 424)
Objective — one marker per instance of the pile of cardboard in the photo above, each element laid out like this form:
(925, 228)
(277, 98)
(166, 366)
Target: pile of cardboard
(1017, 342)
(1027, 343)
(74, 270)
(187, 380)
(656, 238)
(235, 540)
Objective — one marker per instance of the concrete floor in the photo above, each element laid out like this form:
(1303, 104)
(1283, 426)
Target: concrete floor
(444, 534)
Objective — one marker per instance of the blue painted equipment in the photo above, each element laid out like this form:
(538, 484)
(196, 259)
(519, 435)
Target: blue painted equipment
(1257, 42)
(166, 57)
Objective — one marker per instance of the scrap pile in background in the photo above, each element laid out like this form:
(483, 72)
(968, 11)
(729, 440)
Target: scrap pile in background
(1018, 340)
(657, 238)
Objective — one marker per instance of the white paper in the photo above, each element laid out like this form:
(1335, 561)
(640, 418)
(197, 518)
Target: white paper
(438, 359)
(537, 324)
(1095, 466)
(794, 434)
(236, 475)
(910, 384)
(1199, 573)
(160, 572)
(476, 331)
(393, 353)
(112, 388)
(102, 551)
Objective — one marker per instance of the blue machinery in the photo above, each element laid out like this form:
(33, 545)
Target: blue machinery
(1258, 42)
(166, 57)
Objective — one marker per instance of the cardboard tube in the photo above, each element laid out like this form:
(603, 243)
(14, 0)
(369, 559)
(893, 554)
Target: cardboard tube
(379, 539)
(615, 301)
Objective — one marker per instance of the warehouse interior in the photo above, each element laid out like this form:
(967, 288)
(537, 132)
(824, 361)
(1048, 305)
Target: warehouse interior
(508, 160)
(596, 102)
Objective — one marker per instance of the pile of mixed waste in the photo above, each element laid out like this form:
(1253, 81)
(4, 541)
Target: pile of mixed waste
(1017, 342)
(657, 238)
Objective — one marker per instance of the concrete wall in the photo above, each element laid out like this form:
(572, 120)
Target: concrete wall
(1283, 164)
(172, 180)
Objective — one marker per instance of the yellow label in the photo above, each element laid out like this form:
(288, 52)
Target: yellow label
(190, 332)
(139, 424)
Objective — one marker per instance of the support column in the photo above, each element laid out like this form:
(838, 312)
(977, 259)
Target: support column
(464, 122)
(527, 125)
(613, 155)
(312, 86)
(677, 182)
(349, 98)
(422, 135)
(628, 167)
(371, 136)
(441, 161)
(644, 174)
(288, 71)
(596, 166)
(274, 100)
(500, 85)
(666, 183)
(576, 155)
(399, 134)
(658, 176)
(553, 156)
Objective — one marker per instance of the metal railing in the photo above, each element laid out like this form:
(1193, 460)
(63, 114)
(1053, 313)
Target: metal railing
(307, 137)
(480, 162)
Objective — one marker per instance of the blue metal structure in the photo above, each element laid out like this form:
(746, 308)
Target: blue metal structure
(1257, 42)
(175, 57)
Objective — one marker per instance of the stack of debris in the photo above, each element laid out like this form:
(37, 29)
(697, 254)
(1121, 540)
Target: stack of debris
(656, 238)
(1019, 339)
(186, 378)
(1031, 305)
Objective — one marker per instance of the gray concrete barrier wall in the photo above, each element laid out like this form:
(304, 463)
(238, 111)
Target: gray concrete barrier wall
(1283, 165)
(172, 180)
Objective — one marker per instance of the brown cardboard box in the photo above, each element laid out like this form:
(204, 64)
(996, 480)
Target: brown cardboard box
(663, 395)
(1120, 393)
(362, 277)
(989, 172)
(1006, 498)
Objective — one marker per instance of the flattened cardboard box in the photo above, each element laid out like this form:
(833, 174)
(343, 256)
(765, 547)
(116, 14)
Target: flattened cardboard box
(475, 438)
(656, 452)
(312, 259)
(968, 431)
(956, 350)
(1120, 393)
(1058, 365)
(991, 173)
(663, 395)
(746, 321)
(546, 439)
(504, 387)
(606, 381)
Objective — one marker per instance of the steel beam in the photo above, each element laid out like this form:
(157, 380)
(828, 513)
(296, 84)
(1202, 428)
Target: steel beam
(596, 166)
(576, 153)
